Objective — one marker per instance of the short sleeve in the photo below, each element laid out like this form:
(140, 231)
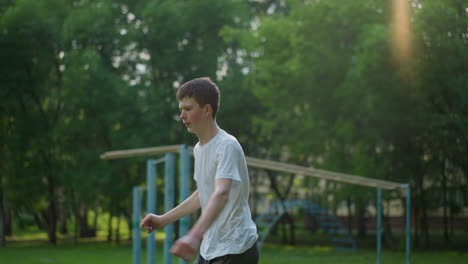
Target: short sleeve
(227, 162)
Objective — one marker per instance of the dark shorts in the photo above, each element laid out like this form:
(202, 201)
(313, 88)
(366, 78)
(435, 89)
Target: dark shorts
(248, 257)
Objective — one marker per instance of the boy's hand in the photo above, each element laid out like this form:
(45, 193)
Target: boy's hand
(186, 247)
(151, 222)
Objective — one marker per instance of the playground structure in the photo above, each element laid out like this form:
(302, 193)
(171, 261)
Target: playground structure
(169, 202)
(340, 237)
(264, 222)
(169, 187)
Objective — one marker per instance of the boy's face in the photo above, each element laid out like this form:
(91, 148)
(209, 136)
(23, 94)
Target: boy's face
(192, 115)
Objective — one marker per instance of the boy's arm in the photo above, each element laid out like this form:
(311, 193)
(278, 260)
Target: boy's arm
(187, 207)
(187, 246)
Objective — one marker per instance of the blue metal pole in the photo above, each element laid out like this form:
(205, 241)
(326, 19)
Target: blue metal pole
(184, 189)
(169, 202)
(379, 225)
(408, 224)
(151, 206)
(136, 238)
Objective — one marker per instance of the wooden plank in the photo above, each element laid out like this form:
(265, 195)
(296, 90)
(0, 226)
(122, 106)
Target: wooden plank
(323, 174)
(119, 154)
(265, 164)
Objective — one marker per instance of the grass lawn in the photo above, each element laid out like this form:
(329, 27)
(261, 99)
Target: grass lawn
(30, 246)
(101, 253)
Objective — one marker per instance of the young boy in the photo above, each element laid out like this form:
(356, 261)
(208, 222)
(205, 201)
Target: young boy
(225, 232)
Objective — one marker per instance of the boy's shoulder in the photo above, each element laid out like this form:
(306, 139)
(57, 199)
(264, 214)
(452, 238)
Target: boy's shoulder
(220, 141)
(228, 143)
(224, 138)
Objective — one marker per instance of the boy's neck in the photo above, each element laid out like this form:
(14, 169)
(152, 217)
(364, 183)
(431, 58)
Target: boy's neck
(207, 134)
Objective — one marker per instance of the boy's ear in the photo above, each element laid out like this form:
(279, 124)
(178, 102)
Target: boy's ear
(208, 109)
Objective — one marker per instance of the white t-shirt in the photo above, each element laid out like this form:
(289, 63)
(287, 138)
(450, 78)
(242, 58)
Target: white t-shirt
(234, 231)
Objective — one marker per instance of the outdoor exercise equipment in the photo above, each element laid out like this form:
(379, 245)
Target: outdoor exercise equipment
(285, 168)
(340, 237)
(151, 195)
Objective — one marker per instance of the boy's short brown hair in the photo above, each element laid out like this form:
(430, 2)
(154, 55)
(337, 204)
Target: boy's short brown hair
(203, 90)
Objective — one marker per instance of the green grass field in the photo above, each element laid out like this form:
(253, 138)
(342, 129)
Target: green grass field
(29, 246)
(101, 253)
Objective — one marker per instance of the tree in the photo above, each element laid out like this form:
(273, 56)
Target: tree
(32, 96)
(345, 104)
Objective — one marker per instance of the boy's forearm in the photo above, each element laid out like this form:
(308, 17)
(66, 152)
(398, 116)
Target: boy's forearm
(213, 208)
(187, 207)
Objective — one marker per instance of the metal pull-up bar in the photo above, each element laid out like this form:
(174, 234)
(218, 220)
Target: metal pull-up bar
(294, 169)
(266, 164)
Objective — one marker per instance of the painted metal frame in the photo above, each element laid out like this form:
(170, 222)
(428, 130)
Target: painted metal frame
(280, 167)
(169, 203)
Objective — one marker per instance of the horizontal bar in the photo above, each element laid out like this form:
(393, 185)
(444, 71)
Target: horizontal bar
(119, 154)
(328, 175)
(267, 164)
(161, 160)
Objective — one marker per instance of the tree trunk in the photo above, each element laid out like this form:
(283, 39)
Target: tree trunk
(274, 228)
(109, 227)
(62, 212)
(85, 230)
(7, 225)
(282, 196)
(309, 223)
(76, 213)
(420, 211)
(95, 220)
(117, 231)
(350, 215)
(255, 195)
(451, 222)
(292, 229)
(63, 224)
(387, 232)
(77, 227)
(424, 223)
(52, 223)
(52, 212)
(287, 234)
(416, 225)
(361, 220)
(444, 193)
(63, 220)
(424, 228)
(2, 218)
(284, 235)
(128, 220)
(39, 221)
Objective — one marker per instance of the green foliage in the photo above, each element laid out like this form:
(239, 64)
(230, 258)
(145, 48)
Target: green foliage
(309, 82)
(334, 97)
(85, 77)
